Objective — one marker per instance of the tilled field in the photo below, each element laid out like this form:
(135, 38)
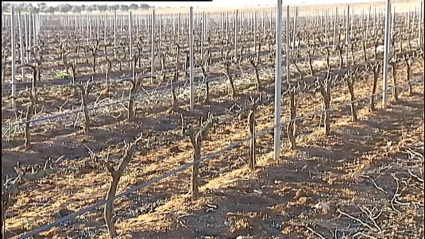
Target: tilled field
(364, 179)
(351, 167)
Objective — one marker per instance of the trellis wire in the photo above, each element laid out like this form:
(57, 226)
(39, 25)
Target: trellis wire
(144, 95)
(116, 102)
(187, 165)
(197, 69)
(413, 24)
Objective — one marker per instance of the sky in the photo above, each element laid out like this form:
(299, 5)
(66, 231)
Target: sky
(214, 3)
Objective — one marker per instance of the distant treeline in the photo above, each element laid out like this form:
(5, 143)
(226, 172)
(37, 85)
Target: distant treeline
(65, 8)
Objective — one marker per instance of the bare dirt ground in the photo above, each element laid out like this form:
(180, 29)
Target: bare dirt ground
(363, 180)
(318, 186)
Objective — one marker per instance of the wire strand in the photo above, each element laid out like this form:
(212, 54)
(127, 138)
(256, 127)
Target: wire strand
(185, 166)
(145, 95)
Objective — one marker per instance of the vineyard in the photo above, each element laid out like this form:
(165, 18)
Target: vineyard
(160, 125)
